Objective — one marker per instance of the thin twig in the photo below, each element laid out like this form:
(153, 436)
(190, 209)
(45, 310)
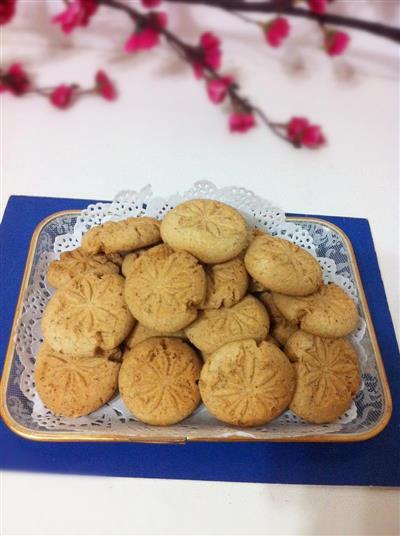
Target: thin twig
(286, 8)
(242, 17)
(190, 54)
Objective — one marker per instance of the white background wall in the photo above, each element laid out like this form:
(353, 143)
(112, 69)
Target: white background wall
(164, 131)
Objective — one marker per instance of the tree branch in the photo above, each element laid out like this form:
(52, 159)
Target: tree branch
(284, 8)
(190, 53)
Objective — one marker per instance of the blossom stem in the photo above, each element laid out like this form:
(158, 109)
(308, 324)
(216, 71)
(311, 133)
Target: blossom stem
(287, 8)
(46, 91)
(243, 17)
(189, 53)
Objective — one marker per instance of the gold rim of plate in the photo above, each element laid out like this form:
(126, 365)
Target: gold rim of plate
(103, 437)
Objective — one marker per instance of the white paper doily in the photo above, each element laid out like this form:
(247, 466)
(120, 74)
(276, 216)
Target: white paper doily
(114, 417)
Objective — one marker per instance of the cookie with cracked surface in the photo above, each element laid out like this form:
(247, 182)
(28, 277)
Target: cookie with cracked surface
(247, 384)
(272, 340)
(158, 381)
(255, 286)
(127, 263)
(282, 267)
(121, 237)
(75, 386)
(281, 329)
(329, 312)
(130, 258)
(140, 333)
(76, 262)
(216, 327)
(328, 376)
(160, 250)
(88, 315)
(116, 258)
(226, 284)
(210, 230)
(205, 356)
(165, 288)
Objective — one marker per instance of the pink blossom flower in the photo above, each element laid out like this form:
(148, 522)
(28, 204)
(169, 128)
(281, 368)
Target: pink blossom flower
(217, 88)
(241, 121)
(151, 3)
(7, 11)
(296, 126)
(146, 37)
(104, 86)
(209, 52)
(15, 80)
(336, 42)
(313, 137)
(276, 31)
(318, 6)
(301, 132)
(77, 13)
(61, 96)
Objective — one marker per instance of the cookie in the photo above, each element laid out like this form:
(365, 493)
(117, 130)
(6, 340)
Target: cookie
(210, 230)
(130, 258)
(205, 356)
(127, 263)
(116, 258)
(328, 376)
(330, 312)
(280, 328)
(226, 284)
(158, 381)
(122, 236)
(75, 262)
(164, 289)
(247, 384)
(272, 340)
(140, 333)
(255, 286)
(75, 386)
(282, 267)
(216, 327)
(88, 315)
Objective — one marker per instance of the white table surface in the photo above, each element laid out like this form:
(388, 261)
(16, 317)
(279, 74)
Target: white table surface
(163, 131)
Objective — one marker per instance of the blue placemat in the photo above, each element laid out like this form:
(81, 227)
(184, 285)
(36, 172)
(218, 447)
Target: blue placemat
(374, 462)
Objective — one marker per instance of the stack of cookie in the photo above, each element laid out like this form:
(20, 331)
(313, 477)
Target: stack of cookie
(196, 308)
(87, 319)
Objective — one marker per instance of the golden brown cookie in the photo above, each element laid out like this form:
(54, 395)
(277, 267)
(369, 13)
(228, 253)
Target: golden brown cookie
(216, 327)
(127, 263)
(255, 286)
(205, 356)
(226, 284)
(122, 236)
(158, 381)
(328, 376)
(116, 258)
(212, 231)
(140, 333)
(75, 386)
(87, 315)
(330, 312)
(272, 340)
(130, 258)
(247, 384)
(164, 289)
(280, 328)
(75, 262)
(283, 267)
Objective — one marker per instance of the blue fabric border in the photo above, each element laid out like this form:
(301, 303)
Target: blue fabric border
(374, 462)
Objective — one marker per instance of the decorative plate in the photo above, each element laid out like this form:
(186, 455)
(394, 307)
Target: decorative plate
(26, 415)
